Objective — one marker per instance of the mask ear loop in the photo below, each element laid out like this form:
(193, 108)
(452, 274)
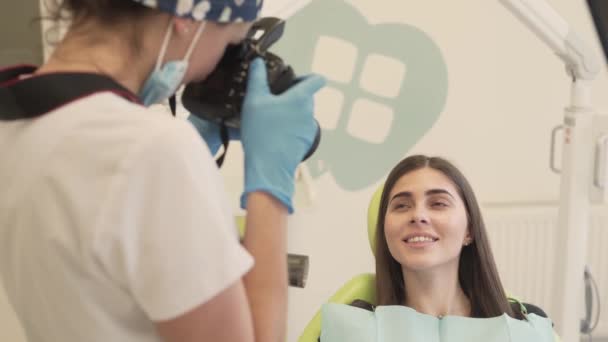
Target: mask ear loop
(159, 60)
(172, 101)
(163, 50)
(197, 36)
(163, 47)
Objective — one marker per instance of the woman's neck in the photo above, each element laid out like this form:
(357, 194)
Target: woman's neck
(436, 292)
(107, 53)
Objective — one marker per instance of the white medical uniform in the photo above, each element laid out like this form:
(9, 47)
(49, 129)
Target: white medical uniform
(111, 217)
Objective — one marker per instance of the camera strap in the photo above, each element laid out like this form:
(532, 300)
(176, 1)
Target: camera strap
(225, 142)
(23, 96)
(223, 132)
(27, 97)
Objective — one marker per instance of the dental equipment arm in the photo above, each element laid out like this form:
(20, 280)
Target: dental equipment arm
(571, 237)
(554, 31)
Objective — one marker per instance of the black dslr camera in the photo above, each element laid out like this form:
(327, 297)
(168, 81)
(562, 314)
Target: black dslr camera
(219, 98)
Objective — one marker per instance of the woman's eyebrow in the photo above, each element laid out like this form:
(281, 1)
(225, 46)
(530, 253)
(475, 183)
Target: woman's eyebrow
(430, 192)
(401, 194)
(437, 192)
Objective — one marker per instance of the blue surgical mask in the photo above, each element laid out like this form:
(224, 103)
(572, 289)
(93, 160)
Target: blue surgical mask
(164, 81)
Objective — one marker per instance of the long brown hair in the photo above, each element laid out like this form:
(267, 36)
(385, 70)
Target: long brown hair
(477, 271)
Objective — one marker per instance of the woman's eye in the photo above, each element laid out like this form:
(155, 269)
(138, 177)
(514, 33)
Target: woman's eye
(439, 204)
(401, 206)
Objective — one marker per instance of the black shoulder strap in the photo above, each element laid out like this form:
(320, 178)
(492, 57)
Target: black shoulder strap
(34, 96)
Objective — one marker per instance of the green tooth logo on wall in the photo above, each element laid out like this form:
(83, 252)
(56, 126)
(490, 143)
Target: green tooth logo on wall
(416, 103)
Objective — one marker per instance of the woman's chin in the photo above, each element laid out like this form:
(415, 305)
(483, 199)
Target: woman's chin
(419, 263)
(419, 266)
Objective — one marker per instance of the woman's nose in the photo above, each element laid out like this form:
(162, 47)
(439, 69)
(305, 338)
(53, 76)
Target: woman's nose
(419, 215)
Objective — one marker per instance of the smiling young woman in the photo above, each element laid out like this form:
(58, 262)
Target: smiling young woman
(433, 253)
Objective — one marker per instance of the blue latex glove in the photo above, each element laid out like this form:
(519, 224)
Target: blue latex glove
(276, 132)
(210, 132)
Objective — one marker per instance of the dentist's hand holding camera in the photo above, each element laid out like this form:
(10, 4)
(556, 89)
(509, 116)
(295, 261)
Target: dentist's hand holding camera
(276, 132)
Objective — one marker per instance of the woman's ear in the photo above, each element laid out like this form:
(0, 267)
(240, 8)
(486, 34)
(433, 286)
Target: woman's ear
(468, 239)
(183, 26)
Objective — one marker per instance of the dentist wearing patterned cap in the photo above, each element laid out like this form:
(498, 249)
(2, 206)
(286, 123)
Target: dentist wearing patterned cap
(114, 224)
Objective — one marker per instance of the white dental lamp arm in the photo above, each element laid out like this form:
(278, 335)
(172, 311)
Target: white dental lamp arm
(554, 31)
(571, 234)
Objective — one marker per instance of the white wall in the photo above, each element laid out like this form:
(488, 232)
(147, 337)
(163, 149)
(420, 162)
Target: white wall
(506, 92)
(10, 330)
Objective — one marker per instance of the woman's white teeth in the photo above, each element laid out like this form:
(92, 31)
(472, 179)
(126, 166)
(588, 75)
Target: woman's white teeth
(420, 239)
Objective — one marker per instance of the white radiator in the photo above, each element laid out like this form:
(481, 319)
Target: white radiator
(522, 242)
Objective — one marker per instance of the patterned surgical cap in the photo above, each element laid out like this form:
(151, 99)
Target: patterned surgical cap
(223, 11)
